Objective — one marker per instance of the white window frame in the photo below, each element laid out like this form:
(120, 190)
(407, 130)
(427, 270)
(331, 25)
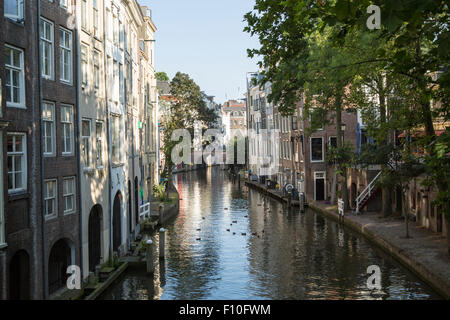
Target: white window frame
(73, 194)
(22, 153)
(329, 140)
(64, 4)
(70, 123)
(83, 15)
(21, 104)
(63, 49)
(310, 150)
(52, 134)
(99, 145)
(95, 18)
(20, 11)
(84, 66)
(320, 175)
(87, 155)
(44, 40)
(97, 72)
(47, 198)
(116, 126)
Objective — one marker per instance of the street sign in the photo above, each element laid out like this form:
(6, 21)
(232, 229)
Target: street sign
(341, 207)
(289, 188)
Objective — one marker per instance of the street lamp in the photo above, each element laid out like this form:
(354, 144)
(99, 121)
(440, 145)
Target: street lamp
(343, 125)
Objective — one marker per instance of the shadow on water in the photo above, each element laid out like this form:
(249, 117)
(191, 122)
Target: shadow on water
(252, 247)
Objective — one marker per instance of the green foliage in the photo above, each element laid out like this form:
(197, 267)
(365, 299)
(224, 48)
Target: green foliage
(324, 50)
(438, 171)
(162, 76)
(187, 107)
(343, 156)
(159, 191)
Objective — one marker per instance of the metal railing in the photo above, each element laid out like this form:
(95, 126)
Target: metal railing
(366, 193)
(144, 211)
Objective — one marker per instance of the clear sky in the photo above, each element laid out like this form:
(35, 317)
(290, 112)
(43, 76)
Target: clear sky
(205, 39)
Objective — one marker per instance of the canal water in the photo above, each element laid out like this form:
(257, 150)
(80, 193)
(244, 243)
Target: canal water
(269, 252)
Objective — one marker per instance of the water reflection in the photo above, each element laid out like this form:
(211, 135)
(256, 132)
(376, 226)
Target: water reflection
(268, 252)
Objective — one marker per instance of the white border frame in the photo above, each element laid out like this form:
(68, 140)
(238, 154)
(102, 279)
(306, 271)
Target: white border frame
(25, 164)
(55, 215)
(310, 150)
(324, 184)
(23, 96)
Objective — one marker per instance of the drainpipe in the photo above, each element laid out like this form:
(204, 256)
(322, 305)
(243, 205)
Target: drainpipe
(133, 152)
(44, 264)
(105, 61)
(77, 101)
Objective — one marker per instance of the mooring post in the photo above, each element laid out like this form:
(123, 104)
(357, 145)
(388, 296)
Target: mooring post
(150, 264)
(162, 243)
(161, 213)
(302, 203)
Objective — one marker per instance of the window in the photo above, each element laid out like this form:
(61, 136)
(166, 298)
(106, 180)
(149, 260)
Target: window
(99, 144)
(294, 123)
(116, 142)
(86, 142)
(83, 14)
(69, 195)
(121, 84)
(117, 82)
(64, 4)
(17, 162)
(108, 23)
(65, 49)
(96, 70)
(317, 150)
(84, 65)
(115, 29)
(14, 9)
(50, 198)
(46, 35)
(48, 117)
(67, 130)
(121, 35)
(333, 142)
(15, 78)
(95, 17)
(316, 118)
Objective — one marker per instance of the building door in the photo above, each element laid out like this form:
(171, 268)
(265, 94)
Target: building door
(95, 231)
(136, 199)
(130, 221)
(19, 276)
(319, 186)
(117, 222)
(60, 259)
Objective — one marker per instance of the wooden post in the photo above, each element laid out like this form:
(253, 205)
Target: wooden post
(150, 264)
(162, 243)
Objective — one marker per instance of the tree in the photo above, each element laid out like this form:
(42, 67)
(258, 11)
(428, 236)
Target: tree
(162, 76)
(187, 107)
(398, 63)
